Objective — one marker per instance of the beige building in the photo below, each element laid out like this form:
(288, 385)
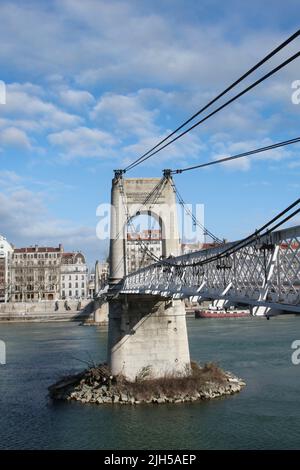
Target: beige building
(139, 246)
(35, 273)
(47, 273)
(187, 248)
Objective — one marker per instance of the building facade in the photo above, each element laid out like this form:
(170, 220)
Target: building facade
(73, 276)
(91, 285)
(101, 275)
(138, 249)
(35, 273)
(6, 251)
(187, 248)
(45, 273)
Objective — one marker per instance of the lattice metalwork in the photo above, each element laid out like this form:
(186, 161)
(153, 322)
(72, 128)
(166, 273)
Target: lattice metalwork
(264, 274)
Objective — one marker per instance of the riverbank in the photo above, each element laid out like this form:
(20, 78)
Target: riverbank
(96, 385)
(88, 312)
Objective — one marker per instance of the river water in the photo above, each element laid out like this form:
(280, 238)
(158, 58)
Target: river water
(265, 415)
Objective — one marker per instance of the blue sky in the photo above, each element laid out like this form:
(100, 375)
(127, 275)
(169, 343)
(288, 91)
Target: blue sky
(91, 85)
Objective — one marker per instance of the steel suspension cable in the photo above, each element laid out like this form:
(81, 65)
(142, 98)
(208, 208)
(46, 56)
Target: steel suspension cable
(240, 155)
(224, 105)
(230, 87)
(194, 218)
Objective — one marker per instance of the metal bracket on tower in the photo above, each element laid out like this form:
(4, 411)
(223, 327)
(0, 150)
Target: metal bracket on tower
(167, 173)
(119, 173)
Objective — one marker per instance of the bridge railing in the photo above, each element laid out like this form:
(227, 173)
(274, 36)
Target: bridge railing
(266, 274)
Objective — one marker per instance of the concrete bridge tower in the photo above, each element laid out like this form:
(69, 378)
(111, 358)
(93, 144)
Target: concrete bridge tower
(147, 334)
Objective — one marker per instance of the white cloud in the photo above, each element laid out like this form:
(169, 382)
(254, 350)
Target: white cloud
(126, 113)
(24, 102)
(83, 142)
(26, 221)
(76, 98)
(13, 137)
(223, 149)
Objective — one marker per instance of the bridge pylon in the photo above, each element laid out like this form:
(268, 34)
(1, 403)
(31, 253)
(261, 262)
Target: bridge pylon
(147, 334)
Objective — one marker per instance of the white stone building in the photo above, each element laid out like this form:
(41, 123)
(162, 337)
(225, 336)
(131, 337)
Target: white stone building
(91, 285)
(6, 251)
(73, 276)
(139, 246)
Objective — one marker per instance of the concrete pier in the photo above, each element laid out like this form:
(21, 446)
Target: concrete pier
(147, 335)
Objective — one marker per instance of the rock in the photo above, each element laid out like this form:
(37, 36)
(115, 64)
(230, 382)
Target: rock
(233, 380)
(106, 400)
(91, 388)
(160, 400)
(124, 397)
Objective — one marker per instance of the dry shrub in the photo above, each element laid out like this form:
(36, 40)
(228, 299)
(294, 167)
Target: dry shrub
(194, 379)
(173, 385)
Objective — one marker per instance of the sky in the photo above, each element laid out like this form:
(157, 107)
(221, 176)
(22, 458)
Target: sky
(92, 85)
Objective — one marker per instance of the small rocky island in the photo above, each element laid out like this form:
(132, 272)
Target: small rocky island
(97, 385)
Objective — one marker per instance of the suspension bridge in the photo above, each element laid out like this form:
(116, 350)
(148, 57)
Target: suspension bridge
(147, 322)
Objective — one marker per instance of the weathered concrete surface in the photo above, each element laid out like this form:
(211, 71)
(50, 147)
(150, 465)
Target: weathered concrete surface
(133, 193)
(147, 336)
(46, 311)
(101, 312)
(145, 333)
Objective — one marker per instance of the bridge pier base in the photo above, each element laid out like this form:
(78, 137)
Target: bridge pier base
(147, 337)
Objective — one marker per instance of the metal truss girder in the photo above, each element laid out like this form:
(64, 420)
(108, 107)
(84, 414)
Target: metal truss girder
(264, 275)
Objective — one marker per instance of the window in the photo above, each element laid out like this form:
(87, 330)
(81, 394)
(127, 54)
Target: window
(82, 285)
(70, 293)
(70, 285)
(76, 293)
(76, 285)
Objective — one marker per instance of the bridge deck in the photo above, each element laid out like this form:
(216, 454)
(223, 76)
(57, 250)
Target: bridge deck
(264, 275)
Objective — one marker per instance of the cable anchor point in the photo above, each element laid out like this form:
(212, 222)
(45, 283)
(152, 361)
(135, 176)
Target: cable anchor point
(119, 173)
(167, 173)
